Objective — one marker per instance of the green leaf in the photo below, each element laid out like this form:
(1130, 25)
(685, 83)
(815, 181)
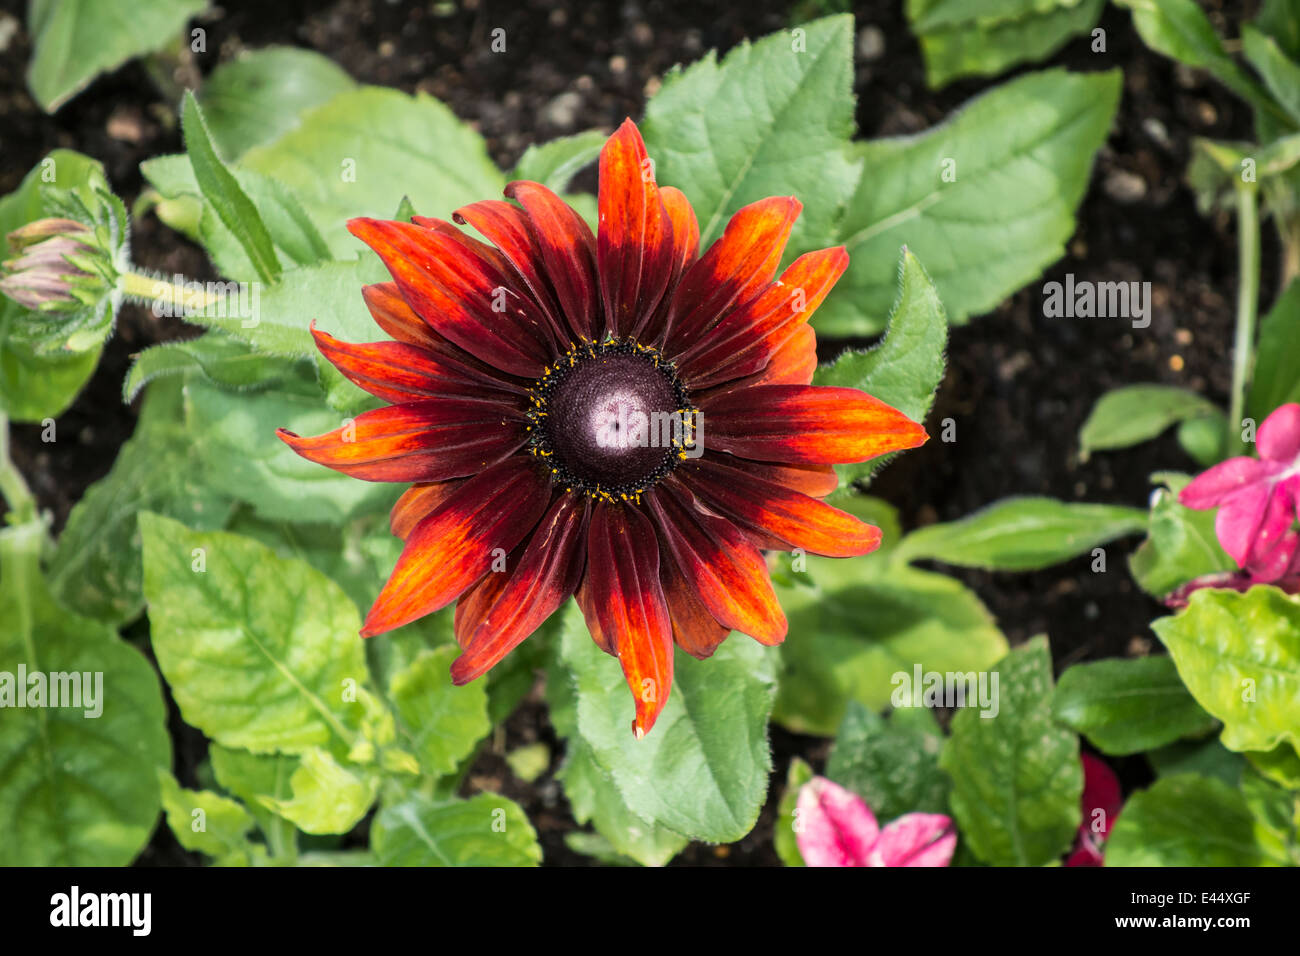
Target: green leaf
(1179, 29)
(985, 37)
(1281, 75)
(554, 164)
(216, 357)
(364, 150)
(258, 97)
(1277, 357)
(864, 622)
(1135, 413)
(592, 793)
(906, 367)
(444, 722)
(1209, 758)
(1181, 543)
(703, 770)
(76, 40)
(773, 118)
(1278, 19)
(1016, 779)
(1204, 439)
(253, 777)
(80, 784)
(891, 764)
(1239, 655)
(223, 192)
(1127, 706)
(1021, 534)
(243, 459)
(1021, 156)
(328, 797)
(1186, 820)
(259, 651)
(486, 830)
(206, 822)
(1281, 765)
(96, 569)
(783, 832)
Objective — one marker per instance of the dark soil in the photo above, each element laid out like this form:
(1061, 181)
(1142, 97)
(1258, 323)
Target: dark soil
(1018, 387)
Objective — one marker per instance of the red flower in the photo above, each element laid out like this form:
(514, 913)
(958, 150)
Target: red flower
(622, 419)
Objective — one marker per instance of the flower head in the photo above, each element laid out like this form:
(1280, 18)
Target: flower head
(616, 415)
(1257, 500)
(836, 828)
(52, 266)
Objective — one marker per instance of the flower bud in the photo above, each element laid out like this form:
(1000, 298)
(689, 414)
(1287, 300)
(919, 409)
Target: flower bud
(55, 266)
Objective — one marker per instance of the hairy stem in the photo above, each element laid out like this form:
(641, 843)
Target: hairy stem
(1243, 353)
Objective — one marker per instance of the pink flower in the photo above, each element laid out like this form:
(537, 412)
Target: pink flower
(1102, 800)
(1257, 500)
(836, 828)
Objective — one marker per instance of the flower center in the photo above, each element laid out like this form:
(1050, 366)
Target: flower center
(610, 419)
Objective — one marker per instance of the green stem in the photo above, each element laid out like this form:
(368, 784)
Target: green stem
(1243, 354)
(151, 289)
(22, 505)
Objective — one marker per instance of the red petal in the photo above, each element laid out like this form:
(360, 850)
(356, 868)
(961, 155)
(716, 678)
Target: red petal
(623, 575)
(394, 316)
(475, 603)
(806, 424)
(588, 608)
(726, 572)
(569, 252)
(772, 510)
(634, 247)
(794, 361)
(459, 292)
(735, 269)
(546, 575)
(686, 245)
(746, 339)
(815, 480)
(416, 503)
(417, 441)
(454, 546)
(510, 229)
(695, 630)
(397, 372)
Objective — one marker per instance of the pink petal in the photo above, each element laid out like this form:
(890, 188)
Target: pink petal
(1101, 791)
(1085, 853)
(1250, 523)
(1221, 482)
(835, 827)
(1278, 438)
(916, 839)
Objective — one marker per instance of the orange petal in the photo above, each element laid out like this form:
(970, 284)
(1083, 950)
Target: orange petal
(772, 510)
(453, 547)
(397, 372)
(416, 503)
(735, 269)
(634, 245)
(746, 339)
(546, 574)
(623, 575)
(806, 424)
(695, 630)
(686, 245)
(417, 441)
(726, 572)
(462, 295)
